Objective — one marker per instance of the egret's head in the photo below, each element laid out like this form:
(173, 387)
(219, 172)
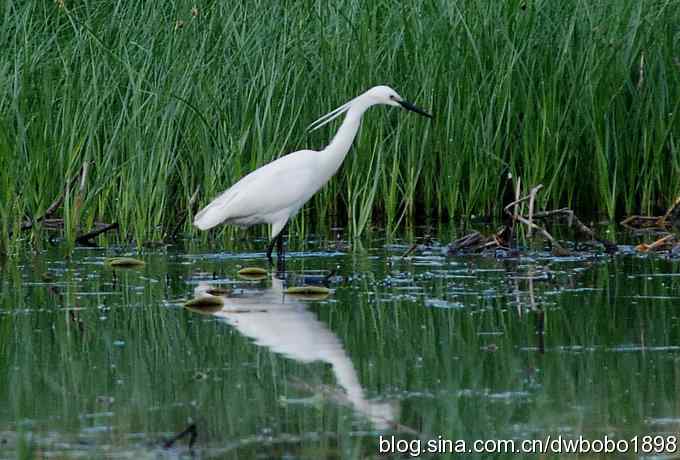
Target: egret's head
(386, 95)
(376, 95)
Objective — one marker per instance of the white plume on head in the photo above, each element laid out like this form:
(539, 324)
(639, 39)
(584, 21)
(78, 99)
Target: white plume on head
(330, 116)
(380, 94)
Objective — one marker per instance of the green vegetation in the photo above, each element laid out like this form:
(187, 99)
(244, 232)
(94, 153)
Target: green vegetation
(165, 99)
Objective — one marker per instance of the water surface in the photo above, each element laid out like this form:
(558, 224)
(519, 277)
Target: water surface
(96, 362)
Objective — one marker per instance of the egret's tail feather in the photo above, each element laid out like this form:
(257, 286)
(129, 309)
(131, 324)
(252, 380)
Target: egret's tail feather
(214, 213)
(204, 220)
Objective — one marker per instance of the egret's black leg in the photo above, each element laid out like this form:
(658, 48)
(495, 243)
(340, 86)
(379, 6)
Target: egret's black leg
(280, 250)
(278, 241)
(270, 247)
(280, 266)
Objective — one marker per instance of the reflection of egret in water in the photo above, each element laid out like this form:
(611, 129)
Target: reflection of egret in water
(283, 324)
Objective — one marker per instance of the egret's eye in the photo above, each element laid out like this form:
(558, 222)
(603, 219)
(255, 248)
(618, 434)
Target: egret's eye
(392, 97)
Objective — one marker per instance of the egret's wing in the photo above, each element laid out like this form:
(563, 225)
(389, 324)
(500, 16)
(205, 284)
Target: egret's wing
(218, 210)
(281, 186)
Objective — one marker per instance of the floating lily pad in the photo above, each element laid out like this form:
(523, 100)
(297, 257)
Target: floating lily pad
(205, 304)
(124, 262)
(218, 291)
(253, 273)
(309, 292)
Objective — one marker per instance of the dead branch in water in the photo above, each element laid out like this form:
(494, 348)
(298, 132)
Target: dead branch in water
(515, 210)
(183, 214)
(573, 221)
(469, 241)
(665, 243)
(670, 220)
(660, 225)
(86, 238)
(56, 204)
(58, 224)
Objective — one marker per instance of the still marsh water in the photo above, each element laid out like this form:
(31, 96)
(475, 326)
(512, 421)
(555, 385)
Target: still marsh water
(96, 362)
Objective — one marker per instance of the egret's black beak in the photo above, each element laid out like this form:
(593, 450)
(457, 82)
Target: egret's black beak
(408, 106)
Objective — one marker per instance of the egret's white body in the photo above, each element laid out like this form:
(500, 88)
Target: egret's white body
(271, 194)
(275, 192)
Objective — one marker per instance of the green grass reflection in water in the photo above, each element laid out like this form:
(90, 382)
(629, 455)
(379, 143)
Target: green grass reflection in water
(93, 363)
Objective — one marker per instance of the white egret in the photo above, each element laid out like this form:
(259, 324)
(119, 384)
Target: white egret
(275, 192)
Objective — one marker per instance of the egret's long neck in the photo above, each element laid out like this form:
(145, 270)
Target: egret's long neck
(334, 154)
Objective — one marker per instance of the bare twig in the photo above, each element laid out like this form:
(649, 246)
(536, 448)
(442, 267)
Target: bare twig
(183, 214)
(466, 242)
(519, 200)
(503, 237)
(661, 244)
(573, 220)
(86, 239)
(643, 222)
(410, 250)
(532, 199)
(672, 216)
(518, 191)
(56, 204)
(506, 209)
(670, 219)
(541, 230)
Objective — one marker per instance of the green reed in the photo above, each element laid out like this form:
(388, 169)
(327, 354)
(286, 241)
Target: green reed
(162, 101)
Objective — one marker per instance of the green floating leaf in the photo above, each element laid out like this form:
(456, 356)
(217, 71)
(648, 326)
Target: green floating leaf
(253, 273)
(309, 292)
(124, 262)
(205, 303)
(219, 291)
